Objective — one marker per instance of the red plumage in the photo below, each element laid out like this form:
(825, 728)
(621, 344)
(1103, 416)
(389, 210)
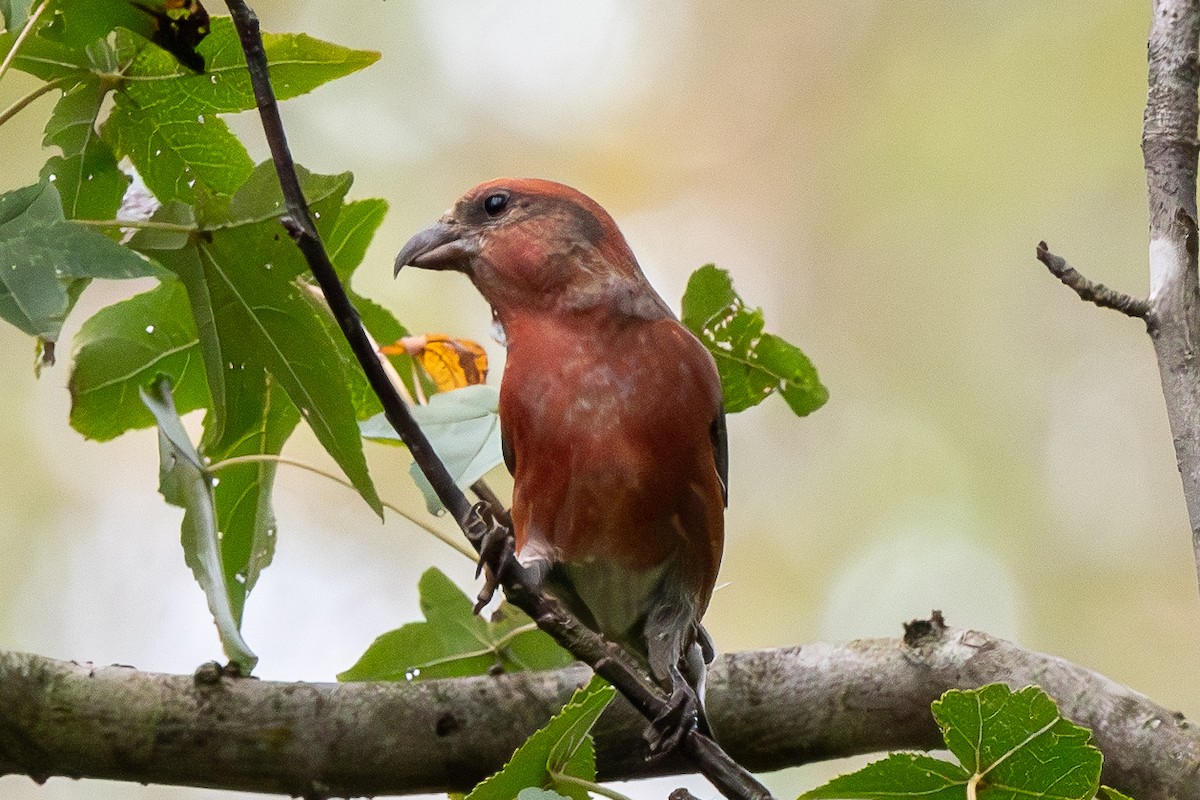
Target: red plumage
(610, 413)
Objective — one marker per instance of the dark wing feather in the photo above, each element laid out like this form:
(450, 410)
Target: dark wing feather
(506, 450)
(720, 443)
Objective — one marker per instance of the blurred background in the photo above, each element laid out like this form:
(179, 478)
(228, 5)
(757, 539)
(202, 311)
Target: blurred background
(874, 174)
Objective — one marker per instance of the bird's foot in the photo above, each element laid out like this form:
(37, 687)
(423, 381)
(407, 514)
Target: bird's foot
(496, 546)
(678, 719)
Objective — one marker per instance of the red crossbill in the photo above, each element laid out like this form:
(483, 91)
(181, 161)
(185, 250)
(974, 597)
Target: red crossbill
(611, 421)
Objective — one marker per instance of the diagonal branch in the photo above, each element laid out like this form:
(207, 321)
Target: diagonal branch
(773, 708)
(1089, 291)
(608, 660)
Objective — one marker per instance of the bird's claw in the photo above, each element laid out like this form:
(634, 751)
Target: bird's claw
(496, 547)
(677, 720)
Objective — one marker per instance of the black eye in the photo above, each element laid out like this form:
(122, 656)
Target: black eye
(495, 204)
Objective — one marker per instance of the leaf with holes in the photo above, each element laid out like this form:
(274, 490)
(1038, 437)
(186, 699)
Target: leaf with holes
(127, 346)
(254, 309)
(752, 364)
(165, 116)
(86, 173)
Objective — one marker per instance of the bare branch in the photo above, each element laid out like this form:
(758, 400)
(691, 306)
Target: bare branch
(1089, 291)
(770, 708)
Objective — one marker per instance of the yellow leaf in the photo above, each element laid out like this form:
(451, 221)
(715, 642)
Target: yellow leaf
(451, 363)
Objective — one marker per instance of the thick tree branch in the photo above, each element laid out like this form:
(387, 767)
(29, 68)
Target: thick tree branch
(770, 708)
(608, 660)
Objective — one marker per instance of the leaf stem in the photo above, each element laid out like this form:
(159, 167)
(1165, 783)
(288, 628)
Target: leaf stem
(262, 458)
(144, 224)
(590, 786)
(488, 649)
(20, 104)
(29, 26)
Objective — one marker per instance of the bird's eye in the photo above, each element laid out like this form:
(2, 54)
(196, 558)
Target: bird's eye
(495, 204)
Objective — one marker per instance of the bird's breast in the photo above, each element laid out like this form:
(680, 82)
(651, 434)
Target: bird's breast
(609, 431)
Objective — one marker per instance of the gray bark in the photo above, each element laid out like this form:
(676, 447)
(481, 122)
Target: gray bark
(769, 708)
(1169, 150)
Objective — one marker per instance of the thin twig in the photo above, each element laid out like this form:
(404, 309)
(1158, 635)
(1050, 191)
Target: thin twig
(268, 458)
(21, 103)
(606, 659)
(139, 224)
(1090, 291)
(22, 36)
(588, 786)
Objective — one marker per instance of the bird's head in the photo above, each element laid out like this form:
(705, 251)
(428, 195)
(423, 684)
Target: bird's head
(535, 246)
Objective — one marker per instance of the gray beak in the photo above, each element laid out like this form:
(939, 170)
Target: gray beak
(442, 245)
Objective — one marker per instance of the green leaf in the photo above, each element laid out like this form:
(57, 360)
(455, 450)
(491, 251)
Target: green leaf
(563, 746)
(261, 423)
(455, 642)
(15, 13)
(298, 63)
(165, 116)
(86, 174)
(752, 364)
(347, 245)
(1013, 746)
(124, 348)
(42, 256)
(1109, 793)
(530, 793)
(184, 482)
(464, 428)
(47, 59)
(149, 240)
(900, 775)
(253, 308)
(174, 147)
(1020, 743)
(78, 23)
(348, 240)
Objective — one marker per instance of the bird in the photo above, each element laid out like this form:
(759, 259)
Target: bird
(611, 421)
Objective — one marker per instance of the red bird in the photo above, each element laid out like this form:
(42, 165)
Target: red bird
(611, 422)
